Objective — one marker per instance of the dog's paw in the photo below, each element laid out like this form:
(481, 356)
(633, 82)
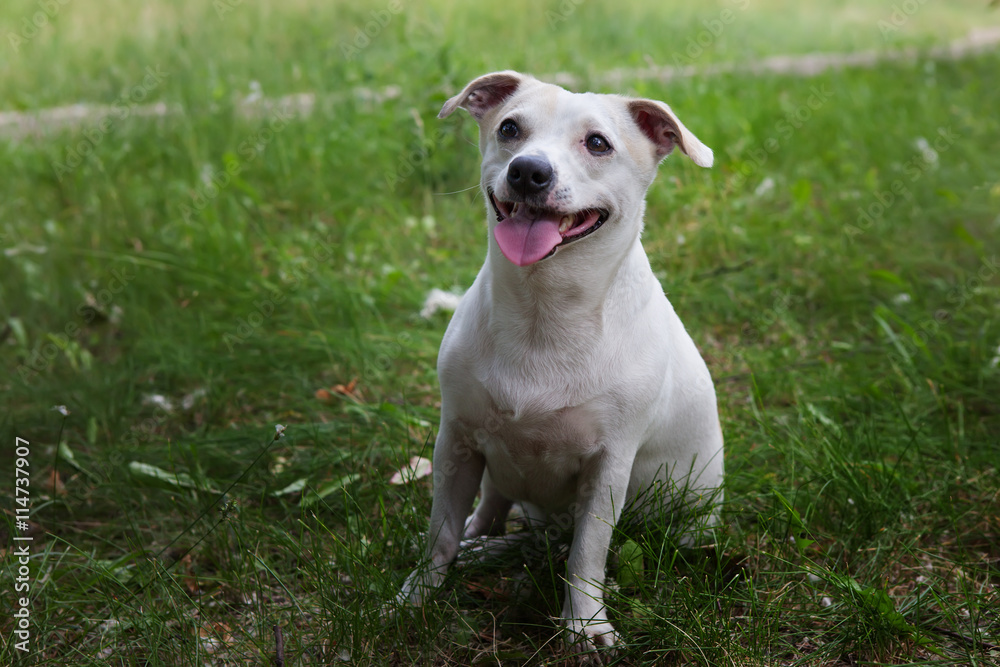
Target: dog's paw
(593, 642)
(419, 586)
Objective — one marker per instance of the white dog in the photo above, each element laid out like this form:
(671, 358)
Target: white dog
(568, 383)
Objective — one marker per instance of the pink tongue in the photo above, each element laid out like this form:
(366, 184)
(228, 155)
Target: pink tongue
(525, 241)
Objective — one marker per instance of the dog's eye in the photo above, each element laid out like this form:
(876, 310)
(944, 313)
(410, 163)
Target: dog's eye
(509, 129)
(598, 144)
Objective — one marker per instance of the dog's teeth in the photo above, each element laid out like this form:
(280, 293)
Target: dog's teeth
(565, 224)
(513, 209)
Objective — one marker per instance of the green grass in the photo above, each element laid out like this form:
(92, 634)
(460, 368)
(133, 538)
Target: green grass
(854, 355)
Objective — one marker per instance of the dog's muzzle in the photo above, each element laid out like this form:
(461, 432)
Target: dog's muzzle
(527, 234)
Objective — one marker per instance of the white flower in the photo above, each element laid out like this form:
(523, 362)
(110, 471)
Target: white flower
(439, 300)
(189, 400)
(929, 155)
(765, 187)
(206, 174)
(256, 93)
(158, 400)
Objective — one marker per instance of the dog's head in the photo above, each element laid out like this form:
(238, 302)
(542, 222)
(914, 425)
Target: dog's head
(559, 166)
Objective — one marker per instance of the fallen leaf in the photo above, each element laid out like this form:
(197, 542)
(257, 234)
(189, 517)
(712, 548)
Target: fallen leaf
(56, 484)
(154, 476)
(488, 592)
(346, 390)
(311, 497)
(417, 467)
(294, 487)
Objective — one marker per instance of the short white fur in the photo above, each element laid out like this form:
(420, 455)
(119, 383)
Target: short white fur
(569, 385)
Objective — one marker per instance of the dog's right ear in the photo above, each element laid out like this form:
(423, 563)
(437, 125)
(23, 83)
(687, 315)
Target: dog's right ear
(484, 93)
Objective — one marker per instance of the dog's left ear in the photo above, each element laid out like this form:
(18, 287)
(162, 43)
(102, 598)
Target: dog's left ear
(484, 93)
(665, 130)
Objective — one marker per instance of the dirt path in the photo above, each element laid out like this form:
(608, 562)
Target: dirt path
(22, 124)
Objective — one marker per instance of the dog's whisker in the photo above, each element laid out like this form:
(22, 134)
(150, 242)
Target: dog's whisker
(457, 192)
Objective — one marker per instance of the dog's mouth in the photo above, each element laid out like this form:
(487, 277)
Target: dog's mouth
(527, 234)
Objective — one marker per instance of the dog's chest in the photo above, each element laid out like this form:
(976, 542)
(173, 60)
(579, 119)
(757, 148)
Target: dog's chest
(535, 435)
(537, 458)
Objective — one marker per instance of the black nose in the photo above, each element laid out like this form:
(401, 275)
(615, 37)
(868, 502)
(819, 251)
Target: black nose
(529, 175)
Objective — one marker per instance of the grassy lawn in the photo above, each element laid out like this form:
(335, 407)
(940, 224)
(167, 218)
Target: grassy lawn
(183, 284)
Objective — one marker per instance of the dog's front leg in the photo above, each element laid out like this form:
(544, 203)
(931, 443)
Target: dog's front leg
(601, 494)
(491, 513)
(458, 469)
